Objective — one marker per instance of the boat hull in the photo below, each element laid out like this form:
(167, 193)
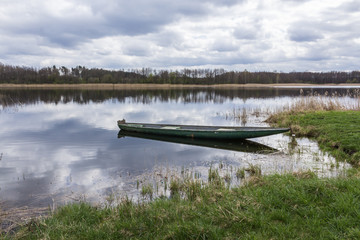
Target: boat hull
(207, 132)
(240, 145)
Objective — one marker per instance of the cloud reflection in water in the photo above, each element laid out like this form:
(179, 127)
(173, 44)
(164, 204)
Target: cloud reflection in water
(68, 149)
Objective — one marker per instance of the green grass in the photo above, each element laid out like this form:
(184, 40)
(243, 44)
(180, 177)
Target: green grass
(338, 132)
(293, 206)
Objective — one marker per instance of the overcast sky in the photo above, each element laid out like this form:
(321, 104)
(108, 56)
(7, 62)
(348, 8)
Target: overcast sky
(257, 35)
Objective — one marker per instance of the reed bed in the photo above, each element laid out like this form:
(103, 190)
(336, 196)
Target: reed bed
(166, 183)
(306, 102)
(327, 102)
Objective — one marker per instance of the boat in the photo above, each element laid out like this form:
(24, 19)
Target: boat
(197, 131)
(239, 145)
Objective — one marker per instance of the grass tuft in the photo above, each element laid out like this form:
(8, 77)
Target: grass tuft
(147, 191)
(254, 170)
(305, 174)
(240, 173)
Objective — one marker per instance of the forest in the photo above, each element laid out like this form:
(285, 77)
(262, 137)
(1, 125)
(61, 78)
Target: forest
(80, 74)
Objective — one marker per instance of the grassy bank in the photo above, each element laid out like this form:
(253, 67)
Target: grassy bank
(294, 206)
(338, 132)
(333, 123)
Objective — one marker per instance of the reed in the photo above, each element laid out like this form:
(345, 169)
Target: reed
(253, 170)
(240, 115)
(147, 191)
(243, 117)
(240, 173)
(175, 187)
(326, 102)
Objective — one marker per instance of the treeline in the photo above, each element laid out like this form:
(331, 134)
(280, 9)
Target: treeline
(80, 74)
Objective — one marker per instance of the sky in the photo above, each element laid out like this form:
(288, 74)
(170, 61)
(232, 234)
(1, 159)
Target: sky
(256, 35)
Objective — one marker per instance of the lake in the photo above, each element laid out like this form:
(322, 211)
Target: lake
(59, 146)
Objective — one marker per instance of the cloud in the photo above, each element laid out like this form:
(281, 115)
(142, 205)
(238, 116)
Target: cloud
(225, 45)
(136, 48)
(69, 23)
(163, 34)
(246, 33)
(352, 6)
(304, 34)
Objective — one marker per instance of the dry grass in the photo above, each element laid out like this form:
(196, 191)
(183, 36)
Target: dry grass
(11, 220)
(314, 103)
(240, 115)
(326, 102)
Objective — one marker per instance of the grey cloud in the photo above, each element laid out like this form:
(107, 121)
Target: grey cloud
(75, 32)
(305, 35)
(297, 1)
(18, 45)
(304, 32)
(245, 33)
(168, 39)
(221, 45)
(137, 50)
(311, 31)
(226, 2)
(237, 59)
(129, 18)
(318, 53)
(181, 61)
(64, 32)
(216, 59)
(353, 6)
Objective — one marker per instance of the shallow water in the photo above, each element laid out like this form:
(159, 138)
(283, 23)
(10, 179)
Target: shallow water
(58, 146)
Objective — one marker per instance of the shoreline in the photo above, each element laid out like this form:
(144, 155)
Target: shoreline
(110, 86)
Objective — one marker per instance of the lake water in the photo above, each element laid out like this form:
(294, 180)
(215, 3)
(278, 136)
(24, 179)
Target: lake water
(58, 146)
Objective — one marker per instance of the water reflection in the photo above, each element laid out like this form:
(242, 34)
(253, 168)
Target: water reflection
(61, 145)
(233, 145)
(11, 97)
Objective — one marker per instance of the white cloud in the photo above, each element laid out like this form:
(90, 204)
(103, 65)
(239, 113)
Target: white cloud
(256, 35)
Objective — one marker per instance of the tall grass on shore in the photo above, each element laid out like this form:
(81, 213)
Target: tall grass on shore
(292, 206)
(326, 102)
(164, 183)
(306, 102)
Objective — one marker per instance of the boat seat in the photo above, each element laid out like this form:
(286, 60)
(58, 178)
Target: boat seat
(170, 127)
(225, 129)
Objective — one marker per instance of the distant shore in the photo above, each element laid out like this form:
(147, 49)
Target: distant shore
(109, 86)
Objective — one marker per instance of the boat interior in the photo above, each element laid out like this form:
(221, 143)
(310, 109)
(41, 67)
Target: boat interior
(194, 127)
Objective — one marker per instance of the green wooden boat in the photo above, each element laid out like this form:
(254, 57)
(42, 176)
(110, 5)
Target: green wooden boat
(240, 145)
(196, 131)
